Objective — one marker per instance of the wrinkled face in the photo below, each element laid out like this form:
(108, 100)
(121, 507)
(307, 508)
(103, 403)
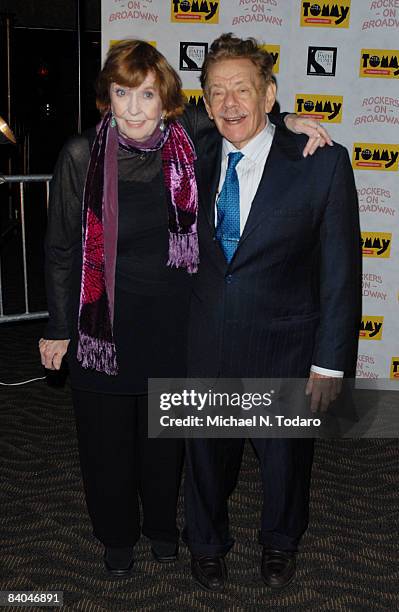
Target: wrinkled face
(137, 110)
(237, 100)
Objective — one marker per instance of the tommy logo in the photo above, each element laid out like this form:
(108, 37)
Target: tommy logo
(194, 96)
(318, 106)
(395, 367)
(326, 14)
(369, 156)
(195, 11)
(379, 63)
(371, 328)
(274, 51)
(376, 244)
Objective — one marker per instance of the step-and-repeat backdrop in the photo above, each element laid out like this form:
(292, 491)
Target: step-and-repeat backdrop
(334, 60)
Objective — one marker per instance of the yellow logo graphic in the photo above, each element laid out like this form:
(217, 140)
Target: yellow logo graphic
(376, 244)
(379, 64)
(115, 42)
(371, 156)
(274, 51)
(318, 106)
(195, 11)
(395, 367)
(194, 96)
(325, 14)
(371, 328)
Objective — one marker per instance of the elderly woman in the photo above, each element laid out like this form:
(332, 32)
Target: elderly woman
(120, 249)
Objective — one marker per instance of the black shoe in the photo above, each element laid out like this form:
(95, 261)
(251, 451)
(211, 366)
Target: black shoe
(164, 552)
(118, 561)
(278, 567)
(209, 572)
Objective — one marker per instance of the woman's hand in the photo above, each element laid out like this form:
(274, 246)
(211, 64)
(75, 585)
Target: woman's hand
(318, 135)
(52, 352)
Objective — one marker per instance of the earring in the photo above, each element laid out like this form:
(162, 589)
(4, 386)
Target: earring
(113, 121)
(162, 125)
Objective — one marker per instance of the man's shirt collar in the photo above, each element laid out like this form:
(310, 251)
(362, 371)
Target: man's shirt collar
(256, 148)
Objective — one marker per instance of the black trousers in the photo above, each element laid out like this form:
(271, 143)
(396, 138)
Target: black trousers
(120, 464)
(212, 467)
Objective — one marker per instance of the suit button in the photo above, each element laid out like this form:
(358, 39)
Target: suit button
(229, 278)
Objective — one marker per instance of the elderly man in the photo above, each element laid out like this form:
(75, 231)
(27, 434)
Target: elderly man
(277, 295)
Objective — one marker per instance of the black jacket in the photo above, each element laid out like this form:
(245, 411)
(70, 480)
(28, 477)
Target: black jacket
(290, 297)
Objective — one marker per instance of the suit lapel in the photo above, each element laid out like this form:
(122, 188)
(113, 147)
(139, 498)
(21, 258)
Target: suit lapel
(281, 167)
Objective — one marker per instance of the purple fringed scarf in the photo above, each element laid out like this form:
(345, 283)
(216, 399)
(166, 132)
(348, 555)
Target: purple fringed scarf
(96, 347)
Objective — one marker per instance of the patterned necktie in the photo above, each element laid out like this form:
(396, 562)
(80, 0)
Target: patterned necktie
(228, 209)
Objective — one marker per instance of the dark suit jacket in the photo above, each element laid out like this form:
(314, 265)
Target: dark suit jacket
(291, 295)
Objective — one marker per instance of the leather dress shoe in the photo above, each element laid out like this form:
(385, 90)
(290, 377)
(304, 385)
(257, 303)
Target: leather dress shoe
(209, 572)
(164, 552)
(278, 567)
(119, 561)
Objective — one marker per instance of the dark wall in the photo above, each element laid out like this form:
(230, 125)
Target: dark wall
(53, 13)
(44, 78)
(46, 89)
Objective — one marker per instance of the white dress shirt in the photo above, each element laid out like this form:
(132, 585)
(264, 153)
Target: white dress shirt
(250, 170)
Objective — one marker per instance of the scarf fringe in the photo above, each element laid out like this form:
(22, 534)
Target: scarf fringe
(184, 251)
(97, 354)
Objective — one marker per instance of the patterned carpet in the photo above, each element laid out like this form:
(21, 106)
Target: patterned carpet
(348, 559)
